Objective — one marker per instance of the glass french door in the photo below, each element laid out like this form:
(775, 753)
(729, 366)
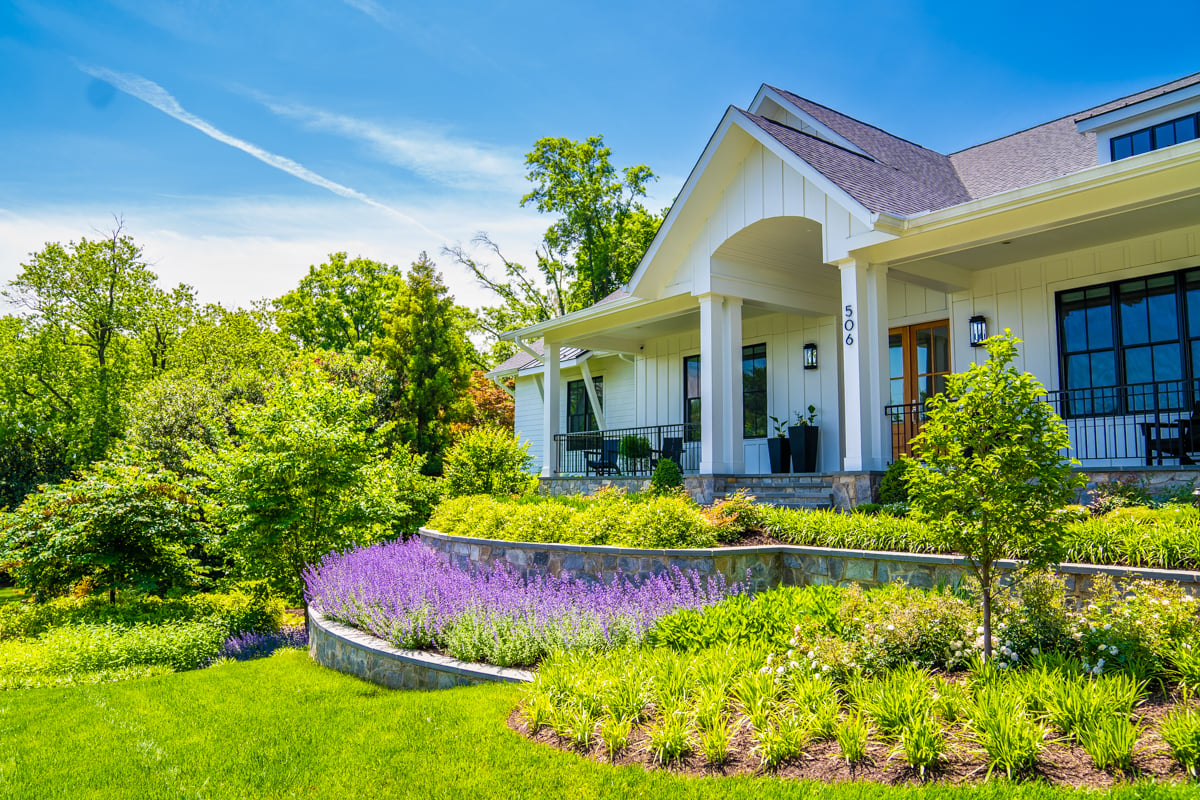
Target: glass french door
(919, 361)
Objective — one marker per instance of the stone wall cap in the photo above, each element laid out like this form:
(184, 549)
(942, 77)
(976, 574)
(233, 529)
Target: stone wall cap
(366, 641)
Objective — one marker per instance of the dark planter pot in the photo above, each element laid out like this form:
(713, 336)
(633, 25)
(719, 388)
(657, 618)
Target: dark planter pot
(803, 440)
(780, 452)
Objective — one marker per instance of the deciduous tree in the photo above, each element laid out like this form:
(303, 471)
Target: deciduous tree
(988, 470)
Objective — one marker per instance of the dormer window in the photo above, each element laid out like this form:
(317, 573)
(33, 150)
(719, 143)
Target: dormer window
(1154, 137)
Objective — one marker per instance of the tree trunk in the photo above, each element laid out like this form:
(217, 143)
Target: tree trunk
(112, 596)
(987, 621)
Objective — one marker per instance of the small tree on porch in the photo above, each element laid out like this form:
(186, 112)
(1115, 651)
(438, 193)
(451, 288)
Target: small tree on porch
(988, 471)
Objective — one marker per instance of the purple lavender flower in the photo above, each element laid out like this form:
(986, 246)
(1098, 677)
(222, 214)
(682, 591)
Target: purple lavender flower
(248, 645)
(406, 593)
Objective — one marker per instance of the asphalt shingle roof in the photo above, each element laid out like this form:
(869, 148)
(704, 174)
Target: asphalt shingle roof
(901, 177)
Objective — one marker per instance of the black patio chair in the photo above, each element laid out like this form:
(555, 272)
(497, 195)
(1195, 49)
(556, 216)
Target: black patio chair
(605, 462)
(1179, 438)
(672, 450)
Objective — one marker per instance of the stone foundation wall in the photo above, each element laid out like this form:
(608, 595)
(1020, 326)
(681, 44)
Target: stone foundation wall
(764, 567)
(354, 652)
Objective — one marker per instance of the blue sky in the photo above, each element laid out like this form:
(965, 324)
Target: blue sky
(243, 141)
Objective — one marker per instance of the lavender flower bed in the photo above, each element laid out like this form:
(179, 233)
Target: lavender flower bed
(404, 593)
(245, 646)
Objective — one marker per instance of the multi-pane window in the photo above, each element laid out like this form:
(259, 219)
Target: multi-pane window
(1143, 334)
(1165, 134)
(754, 391)
(580, 415)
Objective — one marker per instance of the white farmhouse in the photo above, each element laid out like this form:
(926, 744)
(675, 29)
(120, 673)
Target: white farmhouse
(815, 260)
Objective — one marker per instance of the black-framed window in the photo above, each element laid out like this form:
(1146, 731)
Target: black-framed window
(691, 397)
(1165, 134)
(754, 391)
(1141, 334)
(580, 415)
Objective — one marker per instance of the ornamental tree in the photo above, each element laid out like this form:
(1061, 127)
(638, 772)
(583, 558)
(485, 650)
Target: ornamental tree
(988, 470)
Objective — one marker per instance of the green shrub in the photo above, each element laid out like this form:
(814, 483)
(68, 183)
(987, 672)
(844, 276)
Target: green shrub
(893, 489)
(233, 612)
(76, 649)
(767, 619)
(480, 516)
(666, 522)
(604, 518)
(488, 460)
(734, 516)
(541, 522)
(667, 477)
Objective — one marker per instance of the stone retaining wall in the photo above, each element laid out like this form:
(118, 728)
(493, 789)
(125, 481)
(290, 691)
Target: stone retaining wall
(354, 652)
(767, 566)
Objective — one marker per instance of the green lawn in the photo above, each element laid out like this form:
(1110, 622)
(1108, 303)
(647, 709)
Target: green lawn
(284, 727)
(9, 594)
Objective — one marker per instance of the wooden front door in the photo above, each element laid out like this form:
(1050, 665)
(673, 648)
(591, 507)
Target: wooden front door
(919, 361)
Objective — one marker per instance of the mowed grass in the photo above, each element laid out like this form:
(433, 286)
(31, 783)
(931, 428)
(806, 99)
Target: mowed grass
(10, 594)
(284, 727)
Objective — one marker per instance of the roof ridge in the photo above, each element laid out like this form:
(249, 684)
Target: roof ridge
(758, 117)
(855, 119)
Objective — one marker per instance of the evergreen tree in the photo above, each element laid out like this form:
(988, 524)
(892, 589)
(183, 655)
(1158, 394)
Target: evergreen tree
(425, 347)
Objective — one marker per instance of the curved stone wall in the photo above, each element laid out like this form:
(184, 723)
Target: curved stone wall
(766, 566)
(354, 652)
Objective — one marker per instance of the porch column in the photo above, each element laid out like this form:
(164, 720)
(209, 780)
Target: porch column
(735, 456)
(864, 333)
(551, 397)
(714, 352)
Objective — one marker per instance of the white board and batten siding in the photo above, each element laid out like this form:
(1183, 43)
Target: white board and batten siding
(619, 393)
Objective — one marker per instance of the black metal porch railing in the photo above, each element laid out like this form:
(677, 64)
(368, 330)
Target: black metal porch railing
(1139, 424)
(628, 451)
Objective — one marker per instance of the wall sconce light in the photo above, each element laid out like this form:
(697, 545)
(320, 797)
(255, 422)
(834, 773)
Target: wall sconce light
(979, 332)
(810, 356)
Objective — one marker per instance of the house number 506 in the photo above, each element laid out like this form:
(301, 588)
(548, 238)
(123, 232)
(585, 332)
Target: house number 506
(848, 325)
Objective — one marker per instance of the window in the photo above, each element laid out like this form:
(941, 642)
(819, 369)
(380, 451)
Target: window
(691, 397)
(1154, 137)
(580, 416)
(1142, 335)
(754, 391)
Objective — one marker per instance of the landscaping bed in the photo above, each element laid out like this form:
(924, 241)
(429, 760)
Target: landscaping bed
(1167, 537)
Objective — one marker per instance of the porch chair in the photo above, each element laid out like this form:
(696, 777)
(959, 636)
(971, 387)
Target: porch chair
(672, 450)
(1178, 438)
(606, 461)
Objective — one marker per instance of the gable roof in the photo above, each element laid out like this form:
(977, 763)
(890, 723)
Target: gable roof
(878, 185)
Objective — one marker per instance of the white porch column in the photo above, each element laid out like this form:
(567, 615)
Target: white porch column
(714, 352)
(551, 398)
(735, 455)
(864, 333)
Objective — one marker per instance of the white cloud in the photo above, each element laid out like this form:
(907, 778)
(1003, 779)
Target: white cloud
(154, 95)
(238, 251)
(431, 153)
(373, 10)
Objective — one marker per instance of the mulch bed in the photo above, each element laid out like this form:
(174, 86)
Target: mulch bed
(1060, 764)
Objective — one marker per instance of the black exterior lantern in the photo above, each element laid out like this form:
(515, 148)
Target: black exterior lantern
(810, 356)
(979, 332)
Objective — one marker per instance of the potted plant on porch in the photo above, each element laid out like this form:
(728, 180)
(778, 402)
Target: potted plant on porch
(803, 437)
(777, 447)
